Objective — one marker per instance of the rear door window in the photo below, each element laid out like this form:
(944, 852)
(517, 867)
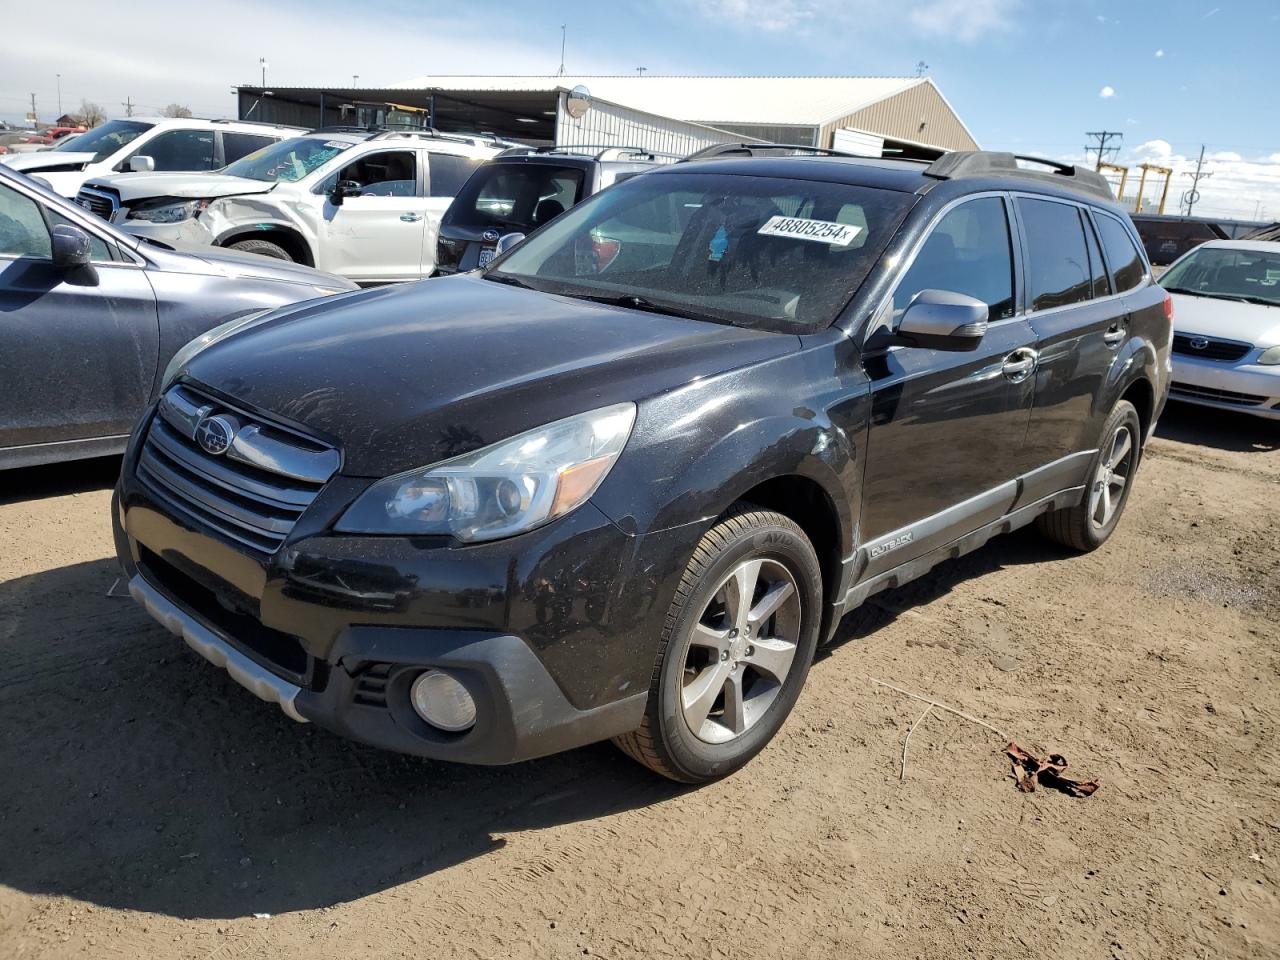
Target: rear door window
(1058, 260)
(1126, 262)
(448, 172)
(968, 252)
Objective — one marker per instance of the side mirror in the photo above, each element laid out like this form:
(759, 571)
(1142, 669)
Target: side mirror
(506, 242)
(142, 164)
(343, 189)
(71, 248)
(942, 320)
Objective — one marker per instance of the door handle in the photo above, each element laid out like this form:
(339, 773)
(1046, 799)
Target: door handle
(1020, 364)
(410, 217)
(1115, 333)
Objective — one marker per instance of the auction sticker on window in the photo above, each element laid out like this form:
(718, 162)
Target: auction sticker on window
(821, 231)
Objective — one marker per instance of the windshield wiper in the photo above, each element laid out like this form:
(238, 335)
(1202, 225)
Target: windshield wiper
(497, 276)
(633, 302)
(1214, 295)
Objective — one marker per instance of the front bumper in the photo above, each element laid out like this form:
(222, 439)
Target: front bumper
(1246, 387)
(554, 633)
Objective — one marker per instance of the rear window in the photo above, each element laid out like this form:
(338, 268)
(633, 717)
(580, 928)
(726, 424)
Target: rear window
(776, 254)
(516, 197)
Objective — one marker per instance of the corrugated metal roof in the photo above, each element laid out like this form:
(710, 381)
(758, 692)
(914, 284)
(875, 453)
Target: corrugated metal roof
(804, 101)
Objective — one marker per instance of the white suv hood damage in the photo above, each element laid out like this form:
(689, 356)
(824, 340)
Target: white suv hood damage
(44, 159)
(195, 186)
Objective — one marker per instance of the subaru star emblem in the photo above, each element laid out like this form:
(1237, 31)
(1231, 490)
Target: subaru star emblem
(1198, 343)
(489, 236)
(214, 434)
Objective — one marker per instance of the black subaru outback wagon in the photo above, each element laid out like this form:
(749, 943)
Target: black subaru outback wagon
(586, 494)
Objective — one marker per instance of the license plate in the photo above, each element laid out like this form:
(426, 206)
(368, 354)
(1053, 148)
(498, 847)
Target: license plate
(486, 255)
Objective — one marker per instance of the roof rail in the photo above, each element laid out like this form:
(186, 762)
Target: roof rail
(755, 149)
(991, 163)
(594, 150)
(256, 123)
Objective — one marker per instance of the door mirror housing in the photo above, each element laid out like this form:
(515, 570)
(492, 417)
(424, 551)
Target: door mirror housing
(506, 242)
(942, 320)
(343, 189)
(142, 164)
(72, 248)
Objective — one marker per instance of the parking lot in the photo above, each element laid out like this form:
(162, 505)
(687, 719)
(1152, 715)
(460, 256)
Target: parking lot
(154, 808)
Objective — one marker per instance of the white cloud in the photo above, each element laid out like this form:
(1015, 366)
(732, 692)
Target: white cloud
(1240, 187)
(1100, 18)
(1160, 53)
(1106, 93)
(963, 20)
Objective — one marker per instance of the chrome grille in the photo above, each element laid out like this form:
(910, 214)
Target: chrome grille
(101, 203)
(1208, 348)
(253, 491)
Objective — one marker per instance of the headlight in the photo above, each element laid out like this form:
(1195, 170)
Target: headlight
(206, 339)
(503, 489)
(1270, 356)
(173, 212)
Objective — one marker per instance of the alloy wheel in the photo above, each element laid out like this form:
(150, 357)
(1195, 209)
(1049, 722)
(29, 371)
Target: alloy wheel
(741, 650)
(1111, 478)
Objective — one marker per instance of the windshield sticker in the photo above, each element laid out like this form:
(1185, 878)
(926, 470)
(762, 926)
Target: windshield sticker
(718, 246)
(820, 231)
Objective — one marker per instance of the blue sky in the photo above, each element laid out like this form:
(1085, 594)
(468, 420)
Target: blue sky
(1027, 75)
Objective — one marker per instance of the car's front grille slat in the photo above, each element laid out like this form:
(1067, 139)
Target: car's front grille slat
(98, 202)
(1193, 391)
(238, 497)
(1210, 348)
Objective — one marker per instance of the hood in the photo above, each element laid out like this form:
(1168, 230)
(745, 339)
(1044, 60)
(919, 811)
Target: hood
(406, 376)
(196, 186)
(1226, 319)
(46, 159)
(237, 265)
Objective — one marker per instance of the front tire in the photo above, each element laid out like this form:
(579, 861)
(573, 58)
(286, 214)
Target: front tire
(1087, 526)
(263, 248)
(738, 641)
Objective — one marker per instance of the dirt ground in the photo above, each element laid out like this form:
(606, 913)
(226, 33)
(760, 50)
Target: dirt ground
(149, 807)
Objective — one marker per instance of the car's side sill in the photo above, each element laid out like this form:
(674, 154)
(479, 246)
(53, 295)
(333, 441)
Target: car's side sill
(36, 453)
(912, 569)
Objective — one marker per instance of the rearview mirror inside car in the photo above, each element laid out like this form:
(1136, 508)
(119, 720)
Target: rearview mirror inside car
(942, 320)
(142, 164)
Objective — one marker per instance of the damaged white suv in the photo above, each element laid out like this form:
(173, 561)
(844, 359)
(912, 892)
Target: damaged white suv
(364, 205)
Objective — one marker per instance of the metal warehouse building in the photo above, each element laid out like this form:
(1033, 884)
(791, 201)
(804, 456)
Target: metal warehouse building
(904, 116)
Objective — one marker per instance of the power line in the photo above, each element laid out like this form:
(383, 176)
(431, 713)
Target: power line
(1104, 152)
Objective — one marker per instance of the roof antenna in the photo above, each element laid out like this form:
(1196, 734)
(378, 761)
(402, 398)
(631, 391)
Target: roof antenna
(563, 28)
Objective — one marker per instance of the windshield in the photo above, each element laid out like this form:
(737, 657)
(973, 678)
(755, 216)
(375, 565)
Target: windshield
(1227, 274)
(784, 255)
(287, 160)
(515, 196)
(105, 140)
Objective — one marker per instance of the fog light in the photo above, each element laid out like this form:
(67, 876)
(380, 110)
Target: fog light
(443, 702)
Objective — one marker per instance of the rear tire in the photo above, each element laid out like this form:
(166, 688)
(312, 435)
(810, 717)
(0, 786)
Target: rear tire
(263, 248)
(729, 669)
(1087, 525)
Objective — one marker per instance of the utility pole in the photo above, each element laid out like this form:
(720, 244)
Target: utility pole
(262, 62)
(1104, 152)
(1192, 196)
(59, 76)
(34, 121)
(563, 34)
(128, 106)
(355, 79)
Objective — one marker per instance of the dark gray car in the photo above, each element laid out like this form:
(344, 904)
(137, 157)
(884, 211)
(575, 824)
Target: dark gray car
(90, 317)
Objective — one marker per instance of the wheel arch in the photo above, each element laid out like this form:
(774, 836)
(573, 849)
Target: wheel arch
(285, 236)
